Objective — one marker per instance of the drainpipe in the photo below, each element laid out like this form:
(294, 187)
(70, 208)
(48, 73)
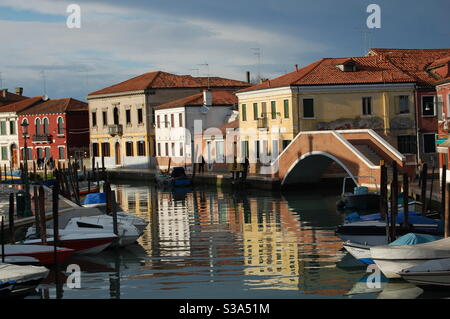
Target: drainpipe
(417, 109)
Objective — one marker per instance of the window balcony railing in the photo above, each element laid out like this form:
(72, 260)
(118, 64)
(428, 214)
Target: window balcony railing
(116, 129)
(41, 138)
(262, 122)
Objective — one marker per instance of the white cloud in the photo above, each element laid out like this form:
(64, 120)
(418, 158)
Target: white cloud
(112, 46)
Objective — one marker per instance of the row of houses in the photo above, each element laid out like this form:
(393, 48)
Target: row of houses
(158, 117)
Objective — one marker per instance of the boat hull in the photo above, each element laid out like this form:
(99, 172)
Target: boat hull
(81, 246)
(44, 254)
(360, 252)
(430, 280)
(361, 201)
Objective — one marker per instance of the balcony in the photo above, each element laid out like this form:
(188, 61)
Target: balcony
(41, 138)
(116, 129)
(262, 122)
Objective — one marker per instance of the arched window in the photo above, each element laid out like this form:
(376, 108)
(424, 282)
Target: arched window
(116, 116)
(60, 126)
(38, 126)
(46, 126)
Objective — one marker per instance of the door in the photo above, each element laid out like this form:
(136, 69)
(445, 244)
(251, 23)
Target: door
(117, 152)
(14, 155)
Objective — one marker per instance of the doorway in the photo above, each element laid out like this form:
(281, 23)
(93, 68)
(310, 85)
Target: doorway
(117, 152)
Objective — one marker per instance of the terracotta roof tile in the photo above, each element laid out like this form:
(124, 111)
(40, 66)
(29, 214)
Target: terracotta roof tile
(10, 98)
(325, 72)
(56, 106)
(218, 98)
(159, 79)
(21, 105)
(414, 62)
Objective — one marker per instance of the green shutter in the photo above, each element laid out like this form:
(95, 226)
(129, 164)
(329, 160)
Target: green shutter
(273, 106)
(3, 127)
(244, 112)
(286, 109)
(4, 153)
(255, 111)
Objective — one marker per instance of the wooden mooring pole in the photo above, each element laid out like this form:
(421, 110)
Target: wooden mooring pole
(443, 190)
(394, 200)
(406, 201)
(36, 212)
(55, 208)
(42, 215)
(447, 211)
(11, 219)
(384, 197)
(423, 186)
(3, 239)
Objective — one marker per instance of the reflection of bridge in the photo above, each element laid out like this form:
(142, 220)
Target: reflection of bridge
(358, 152)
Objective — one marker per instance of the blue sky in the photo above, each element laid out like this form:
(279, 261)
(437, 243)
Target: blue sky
(120, 39)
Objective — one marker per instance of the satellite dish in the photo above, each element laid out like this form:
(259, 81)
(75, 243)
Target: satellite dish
(45, 97)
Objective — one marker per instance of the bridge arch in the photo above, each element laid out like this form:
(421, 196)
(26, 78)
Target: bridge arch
(309, 168)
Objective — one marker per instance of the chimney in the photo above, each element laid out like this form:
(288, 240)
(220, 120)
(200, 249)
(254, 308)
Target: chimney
(296, 67)
(19, 91)
(207, 98)
(4, 92)
(248, 76)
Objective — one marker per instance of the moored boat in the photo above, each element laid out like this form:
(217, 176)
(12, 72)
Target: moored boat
(391, 260)
(43, 253)
(432, 274)
(23, 278)
(177, 178)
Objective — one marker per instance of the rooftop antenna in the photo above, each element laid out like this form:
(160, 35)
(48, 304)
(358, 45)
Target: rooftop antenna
(44, 81)
(367, 40)
(207, 65)
(257, 52)
(197, 70)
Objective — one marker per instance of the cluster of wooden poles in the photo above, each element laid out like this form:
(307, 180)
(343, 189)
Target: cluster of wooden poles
(394, 186)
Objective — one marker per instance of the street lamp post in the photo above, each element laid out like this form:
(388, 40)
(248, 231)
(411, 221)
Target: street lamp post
(27, 208)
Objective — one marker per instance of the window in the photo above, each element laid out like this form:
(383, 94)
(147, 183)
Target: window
(429, 143)
(94, 118)
(140, 116)
(286, 143)
(367, 105)
(273, 109)
(264, 110)
(141, 148)
(105, 150)
(172, 120)
(244, 112)
(180, 119)
(220, 155)
(153, 116)
(38, 126)
(4, 153)
(47, 152)
(181, 149)
(286, 109)
(255, 111)
(129, 148)
(308, 108)
(61, 153)
(158, 122)
(428, 106)
(46, 126)
(159, 149)
(60, 126)
(257, 148)
(173, 149)
(275, 148)
(39, 153)
(28, 155)
(167, 149)
(245, 150)
(105, 118)
(12, 127)
(403, 104)
(407, 144)
(166, 122)
(116, 116)
(3, 128)
(128, 116)
(95, 150)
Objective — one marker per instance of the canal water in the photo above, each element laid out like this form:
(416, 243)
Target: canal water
(212, 243)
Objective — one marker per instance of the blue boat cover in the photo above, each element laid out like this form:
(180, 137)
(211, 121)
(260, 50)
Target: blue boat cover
(95, 198)
(414, 239)
(414, 218)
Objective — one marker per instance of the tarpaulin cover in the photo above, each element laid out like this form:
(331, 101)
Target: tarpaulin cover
(94, 198)
(414, 239)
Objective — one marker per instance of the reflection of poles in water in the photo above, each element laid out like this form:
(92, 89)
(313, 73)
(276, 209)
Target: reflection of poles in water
(114, 279)
(154, 222)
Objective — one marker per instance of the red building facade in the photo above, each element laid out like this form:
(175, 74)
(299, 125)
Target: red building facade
(57, 129)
